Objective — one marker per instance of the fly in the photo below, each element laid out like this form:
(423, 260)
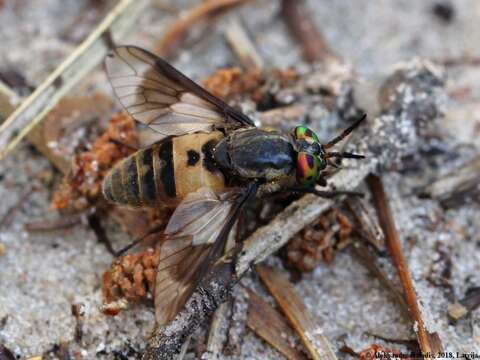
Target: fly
(207, 161)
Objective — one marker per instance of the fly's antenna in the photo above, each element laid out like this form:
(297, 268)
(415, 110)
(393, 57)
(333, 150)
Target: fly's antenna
(344, 133)
(343, 155)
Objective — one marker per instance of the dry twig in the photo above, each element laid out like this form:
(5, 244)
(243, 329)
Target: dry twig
(429, 341)
(179, 29)
(302, 27)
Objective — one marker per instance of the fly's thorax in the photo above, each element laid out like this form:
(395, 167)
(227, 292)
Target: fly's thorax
(256, 153)
(164, 173)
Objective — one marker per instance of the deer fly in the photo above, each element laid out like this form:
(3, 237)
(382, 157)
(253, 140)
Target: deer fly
(207, 161)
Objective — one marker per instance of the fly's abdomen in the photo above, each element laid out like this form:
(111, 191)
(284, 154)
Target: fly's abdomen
(194, 165)
(164, 173)
(145, 178)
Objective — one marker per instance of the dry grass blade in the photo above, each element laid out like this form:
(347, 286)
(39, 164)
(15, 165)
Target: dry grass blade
(242, 45)
(86, 56)
(216, 334)
(429, 342)
(179, 29)
(272, 327)
(294, 309)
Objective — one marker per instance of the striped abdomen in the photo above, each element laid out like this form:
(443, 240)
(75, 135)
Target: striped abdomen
(164, 173)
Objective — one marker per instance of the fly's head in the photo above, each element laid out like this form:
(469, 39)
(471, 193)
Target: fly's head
(310, 156)
(314, 157)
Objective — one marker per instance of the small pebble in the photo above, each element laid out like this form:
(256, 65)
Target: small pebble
(444, 11)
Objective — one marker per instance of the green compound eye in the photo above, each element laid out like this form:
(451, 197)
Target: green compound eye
(303, 132)
(308, 169)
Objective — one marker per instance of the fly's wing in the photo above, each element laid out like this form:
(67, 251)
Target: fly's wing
(195, 237)
(158, 95)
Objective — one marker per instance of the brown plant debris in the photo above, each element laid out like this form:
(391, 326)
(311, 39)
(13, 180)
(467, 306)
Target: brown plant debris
(463, 307)
(272, 327)
(78, 313)
(317, 242)
(457, 186)
(71, 123)
(300, 318)
(429, 341)
(368, 227)
(131, 277)
(233, 83)
(376, 351)
(82, 186)
(179, 30)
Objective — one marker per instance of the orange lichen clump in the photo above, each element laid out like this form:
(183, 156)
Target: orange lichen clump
(255, 84)
(132, 277)
(82, 186)
(317, 242)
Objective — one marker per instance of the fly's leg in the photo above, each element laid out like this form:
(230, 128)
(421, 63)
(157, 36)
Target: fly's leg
(128, 146)
(269, 188)
(137, 241)
(325, 193)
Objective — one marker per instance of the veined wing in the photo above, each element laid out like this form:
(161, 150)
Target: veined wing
(195, 237)
(158, 95)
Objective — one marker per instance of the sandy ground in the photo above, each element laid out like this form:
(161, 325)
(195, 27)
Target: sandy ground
(42, 275)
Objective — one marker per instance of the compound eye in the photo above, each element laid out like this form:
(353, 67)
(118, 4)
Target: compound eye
(303, 132)
(308, 169)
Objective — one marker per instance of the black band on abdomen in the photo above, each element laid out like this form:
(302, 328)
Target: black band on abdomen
(167, 172)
